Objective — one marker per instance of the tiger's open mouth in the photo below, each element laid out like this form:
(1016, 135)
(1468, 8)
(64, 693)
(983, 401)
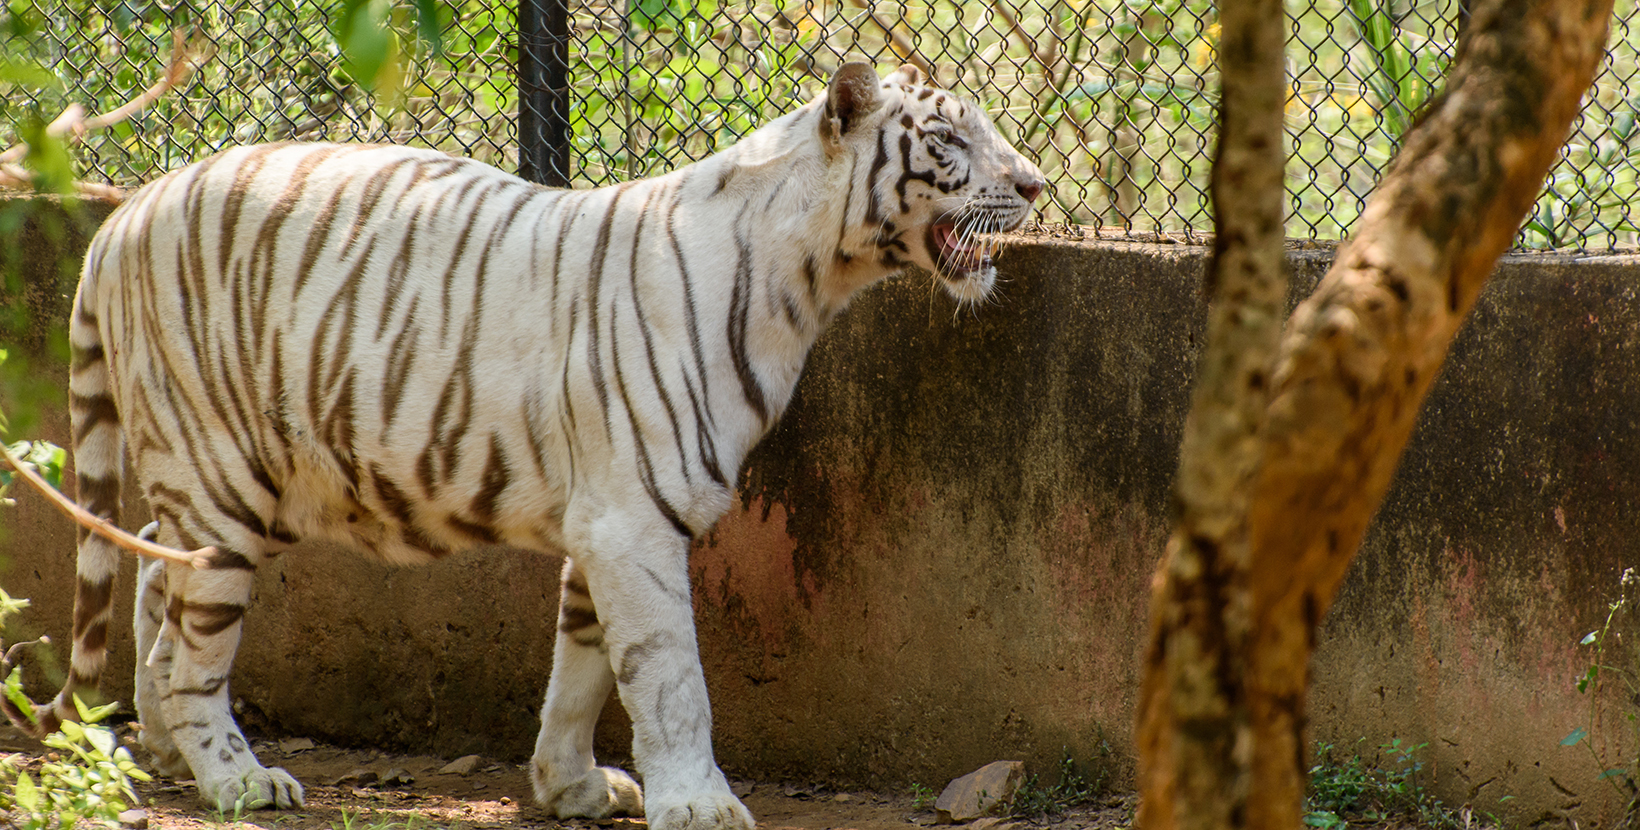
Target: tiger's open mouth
(959, 252)
(963, 247)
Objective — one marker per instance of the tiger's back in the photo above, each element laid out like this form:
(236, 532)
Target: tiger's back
(359, 393)
(415, 354)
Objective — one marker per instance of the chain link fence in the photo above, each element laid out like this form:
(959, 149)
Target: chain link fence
(1114, 99)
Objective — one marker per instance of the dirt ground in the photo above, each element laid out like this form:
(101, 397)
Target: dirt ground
(350, 789)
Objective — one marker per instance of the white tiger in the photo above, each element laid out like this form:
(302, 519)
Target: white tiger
(415, 354)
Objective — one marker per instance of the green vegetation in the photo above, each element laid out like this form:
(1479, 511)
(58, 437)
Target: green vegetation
(1345, 791)
(922, 797)
(1115, 98)
(354, 821)
(282, 71)
(88, 776)
(1611, 679)
(1077, 785)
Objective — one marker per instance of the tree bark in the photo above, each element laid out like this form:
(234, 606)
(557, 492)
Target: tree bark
(1194, 729)
(1352, 370)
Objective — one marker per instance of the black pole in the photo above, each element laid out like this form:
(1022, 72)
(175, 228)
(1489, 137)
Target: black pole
(543, 91)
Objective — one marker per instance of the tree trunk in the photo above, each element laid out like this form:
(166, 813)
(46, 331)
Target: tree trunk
(1353, 368)
(1193, 734)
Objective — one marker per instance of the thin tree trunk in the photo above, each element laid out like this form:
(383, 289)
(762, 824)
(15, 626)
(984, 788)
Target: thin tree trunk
(1194, 728)
(1353, 368)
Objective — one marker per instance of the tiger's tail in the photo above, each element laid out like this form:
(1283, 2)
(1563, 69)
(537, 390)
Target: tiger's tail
(99, 448)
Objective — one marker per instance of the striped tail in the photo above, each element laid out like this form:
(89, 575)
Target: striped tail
(99, 448)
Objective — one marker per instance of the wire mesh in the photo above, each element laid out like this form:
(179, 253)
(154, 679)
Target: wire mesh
(1115, 99)
(274, 73)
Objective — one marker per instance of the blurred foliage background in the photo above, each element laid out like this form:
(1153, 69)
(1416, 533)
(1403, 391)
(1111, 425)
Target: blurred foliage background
(1114, 98)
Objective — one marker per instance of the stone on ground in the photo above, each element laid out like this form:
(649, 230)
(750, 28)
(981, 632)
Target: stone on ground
(465, 765)
(979, 792)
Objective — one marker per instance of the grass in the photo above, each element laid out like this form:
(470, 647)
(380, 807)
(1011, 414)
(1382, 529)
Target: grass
(353, 821)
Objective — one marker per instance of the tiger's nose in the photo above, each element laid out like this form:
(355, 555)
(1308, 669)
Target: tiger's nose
(1029, 189)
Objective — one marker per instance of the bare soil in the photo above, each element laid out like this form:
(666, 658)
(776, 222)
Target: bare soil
(350, 789)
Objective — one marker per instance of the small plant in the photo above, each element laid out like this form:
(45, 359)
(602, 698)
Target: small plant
(354, 821)
(88, 776)
(1342, 791)
(921, 797)
(1605, 663)
(1405, 67)
(1336, 789)
(44, 457)
(1074, 788)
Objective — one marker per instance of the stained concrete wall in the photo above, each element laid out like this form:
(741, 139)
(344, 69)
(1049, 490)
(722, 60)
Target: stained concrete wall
(941, 555)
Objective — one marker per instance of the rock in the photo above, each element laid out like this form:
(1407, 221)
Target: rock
(397, 777)
(842, 798)
(741, 789)
(358, 777)
(992, 823)
(793, 792)
(465, 765)
(134, 819)
(291, 746)
(979, 792)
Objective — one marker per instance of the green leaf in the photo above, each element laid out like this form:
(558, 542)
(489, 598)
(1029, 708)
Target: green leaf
(1573, 739)
(1612, 773)
(102, 739)
(1323, 819)
(25, 74)
(90, 714)
(47, 158)
(429, 25)
(52, 469)
(1587, 678)
(369, 47)
(10, 606)
(14, 693)
(25, 794)
(653, 15)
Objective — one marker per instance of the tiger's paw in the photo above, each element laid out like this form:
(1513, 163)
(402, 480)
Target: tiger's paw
(256, 789)
(167, 759)
(601, 793)
(164, 756)
(714, 811)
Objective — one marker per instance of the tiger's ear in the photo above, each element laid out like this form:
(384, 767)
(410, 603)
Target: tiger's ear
(909, 75)
(854, 93)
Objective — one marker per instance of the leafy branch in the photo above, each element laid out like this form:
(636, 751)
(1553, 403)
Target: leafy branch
(43, 152)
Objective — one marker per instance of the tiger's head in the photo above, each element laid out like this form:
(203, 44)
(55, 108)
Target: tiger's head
(938, 179)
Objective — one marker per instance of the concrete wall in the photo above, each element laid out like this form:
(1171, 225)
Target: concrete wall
(941, 555)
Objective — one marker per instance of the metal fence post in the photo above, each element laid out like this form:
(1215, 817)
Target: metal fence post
(543, 91)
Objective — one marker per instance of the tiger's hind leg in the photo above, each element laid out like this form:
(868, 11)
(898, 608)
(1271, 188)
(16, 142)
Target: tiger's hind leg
(204, 614)
(154, 664)
(567, 779)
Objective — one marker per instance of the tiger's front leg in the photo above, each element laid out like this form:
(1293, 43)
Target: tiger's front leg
(637, 572)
